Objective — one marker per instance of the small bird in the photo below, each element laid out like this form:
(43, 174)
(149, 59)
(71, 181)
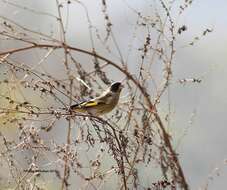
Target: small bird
(102, 104)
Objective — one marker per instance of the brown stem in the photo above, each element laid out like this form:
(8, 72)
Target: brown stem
(151, 107)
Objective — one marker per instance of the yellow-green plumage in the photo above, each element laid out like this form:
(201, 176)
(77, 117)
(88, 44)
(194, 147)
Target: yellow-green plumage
(102, 104)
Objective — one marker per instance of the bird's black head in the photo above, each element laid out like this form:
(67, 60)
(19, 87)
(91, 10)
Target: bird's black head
(115, 86)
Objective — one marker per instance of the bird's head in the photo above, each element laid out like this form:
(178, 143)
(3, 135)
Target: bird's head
(116, 87)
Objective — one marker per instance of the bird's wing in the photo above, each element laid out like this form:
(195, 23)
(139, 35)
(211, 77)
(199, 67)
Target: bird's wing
(91, 103)
(87, 104)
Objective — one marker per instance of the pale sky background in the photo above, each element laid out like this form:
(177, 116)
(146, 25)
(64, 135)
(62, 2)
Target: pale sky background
(203, 148)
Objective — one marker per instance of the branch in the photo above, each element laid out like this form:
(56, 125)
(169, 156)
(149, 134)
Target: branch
(151, 107)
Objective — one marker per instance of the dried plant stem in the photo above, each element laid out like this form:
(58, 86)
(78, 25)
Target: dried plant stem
(150, 105)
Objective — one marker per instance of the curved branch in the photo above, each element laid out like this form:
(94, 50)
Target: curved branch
(152, 109)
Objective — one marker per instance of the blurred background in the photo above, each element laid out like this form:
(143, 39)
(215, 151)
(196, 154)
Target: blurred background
(198, 110)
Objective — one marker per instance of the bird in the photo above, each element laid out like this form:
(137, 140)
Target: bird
(102, 104)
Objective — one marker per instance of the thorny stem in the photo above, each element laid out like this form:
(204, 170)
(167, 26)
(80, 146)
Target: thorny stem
(66, 167)
(122, 169)
(121, 150)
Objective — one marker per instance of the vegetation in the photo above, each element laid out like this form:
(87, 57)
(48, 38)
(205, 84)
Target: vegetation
(44, 71)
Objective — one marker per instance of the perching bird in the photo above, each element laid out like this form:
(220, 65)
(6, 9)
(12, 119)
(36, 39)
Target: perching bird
(102, 104)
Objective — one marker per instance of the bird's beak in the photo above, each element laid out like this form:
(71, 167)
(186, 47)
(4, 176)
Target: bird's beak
(122, 86)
